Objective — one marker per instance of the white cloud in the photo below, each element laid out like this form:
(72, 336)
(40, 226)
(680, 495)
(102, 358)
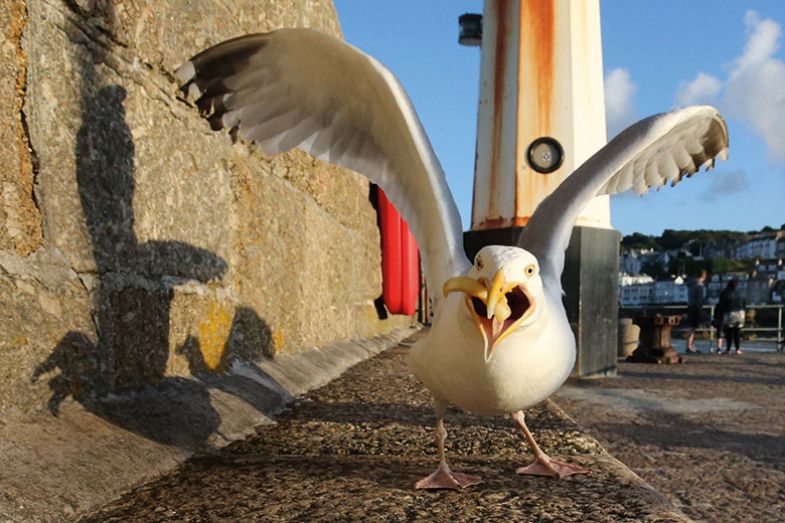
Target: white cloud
(702, 90)
(762, 42)
(755, 90)
(619, 108)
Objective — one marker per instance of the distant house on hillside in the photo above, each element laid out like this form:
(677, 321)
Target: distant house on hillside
(763, 245)
(634, 261)
(630, 262)
(658, 258)
(640, 290)
(718, 282)
(769, 268)
(635, 290)
(718, 250)
(670, 291)
(764, 284)
(763, 280)
(759, 289)
(713, 288)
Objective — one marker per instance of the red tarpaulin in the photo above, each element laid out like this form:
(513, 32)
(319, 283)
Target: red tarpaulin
(400, 260)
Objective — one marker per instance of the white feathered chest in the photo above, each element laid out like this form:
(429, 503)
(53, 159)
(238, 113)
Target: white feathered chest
(526, 367)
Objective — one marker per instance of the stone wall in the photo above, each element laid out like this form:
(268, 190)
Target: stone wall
(137, 245)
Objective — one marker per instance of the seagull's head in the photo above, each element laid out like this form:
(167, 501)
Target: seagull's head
(501, 292)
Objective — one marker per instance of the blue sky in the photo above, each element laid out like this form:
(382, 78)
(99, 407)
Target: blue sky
(657, 55)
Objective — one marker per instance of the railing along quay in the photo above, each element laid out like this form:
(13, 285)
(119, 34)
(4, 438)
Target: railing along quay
(751, 326)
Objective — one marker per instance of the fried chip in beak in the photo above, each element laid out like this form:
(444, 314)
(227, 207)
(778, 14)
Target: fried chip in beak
(488, 304)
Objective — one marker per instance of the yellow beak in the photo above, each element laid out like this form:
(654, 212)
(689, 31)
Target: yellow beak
(493, 295)
(466, 285)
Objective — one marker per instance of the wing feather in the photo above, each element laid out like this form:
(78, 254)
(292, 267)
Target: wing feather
(655, 151)
(301, 88)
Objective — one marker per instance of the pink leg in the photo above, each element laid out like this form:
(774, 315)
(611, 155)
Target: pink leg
(443, 477)
(543, 464)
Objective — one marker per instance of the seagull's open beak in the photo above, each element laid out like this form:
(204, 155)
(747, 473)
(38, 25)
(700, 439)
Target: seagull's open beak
(497, 307)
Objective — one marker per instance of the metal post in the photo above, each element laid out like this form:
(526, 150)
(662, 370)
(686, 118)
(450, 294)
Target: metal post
(655, 340)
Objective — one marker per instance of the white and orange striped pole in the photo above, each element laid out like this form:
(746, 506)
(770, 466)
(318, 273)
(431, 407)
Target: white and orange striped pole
(541, 77)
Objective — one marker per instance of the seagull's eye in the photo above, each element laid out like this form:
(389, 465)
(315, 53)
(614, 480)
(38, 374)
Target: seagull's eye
(530, 270)
(478, 262)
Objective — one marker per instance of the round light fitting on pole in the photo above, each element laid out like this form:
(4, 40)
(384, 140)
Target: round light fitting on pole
(545, 155)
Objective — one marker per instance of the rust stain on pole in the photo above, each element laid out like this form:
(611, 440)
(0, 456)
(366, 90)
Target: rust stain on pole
(538, 27)
(536, 74)
(500, 223)
(499, 71)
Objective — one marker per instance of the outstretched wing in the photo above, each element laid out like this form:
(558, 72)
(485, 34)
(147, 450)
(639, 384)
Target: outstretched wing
(657, 150)
(302, 88)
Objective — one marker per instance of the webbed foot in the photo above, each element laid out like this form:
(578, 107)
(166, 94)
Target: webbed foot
(545, 466)
(444, 478)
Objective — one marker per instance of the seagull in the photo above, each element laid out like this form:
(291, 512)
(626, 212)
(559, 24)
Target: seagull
(500, 341)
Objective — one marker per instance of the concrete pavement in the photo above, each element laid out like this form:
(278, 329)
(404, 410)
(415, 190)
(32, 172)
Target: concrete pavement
(709, 434)
(352, 450)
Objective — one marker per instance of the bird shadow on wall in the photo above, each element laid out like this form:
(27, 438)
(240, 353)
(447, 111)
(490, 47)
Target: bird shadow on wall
(249, 340)
(133, 289)
(133, 297)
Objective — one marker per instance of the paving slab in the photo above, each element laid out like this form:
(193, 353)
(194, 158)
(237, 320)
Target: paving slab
(353, 449)
(708, 434)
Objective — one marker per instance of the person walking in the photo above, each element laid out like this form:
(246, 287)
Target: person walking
(732, 306)
(696, 296)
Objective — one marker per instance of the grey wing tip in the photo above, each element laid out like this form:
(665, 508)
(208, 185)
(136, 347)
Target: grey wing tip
(185, 72)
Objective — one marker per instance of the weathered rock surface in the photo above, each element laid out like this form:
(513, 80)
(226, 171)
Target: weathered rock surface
(20, 218)
(132, 235)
